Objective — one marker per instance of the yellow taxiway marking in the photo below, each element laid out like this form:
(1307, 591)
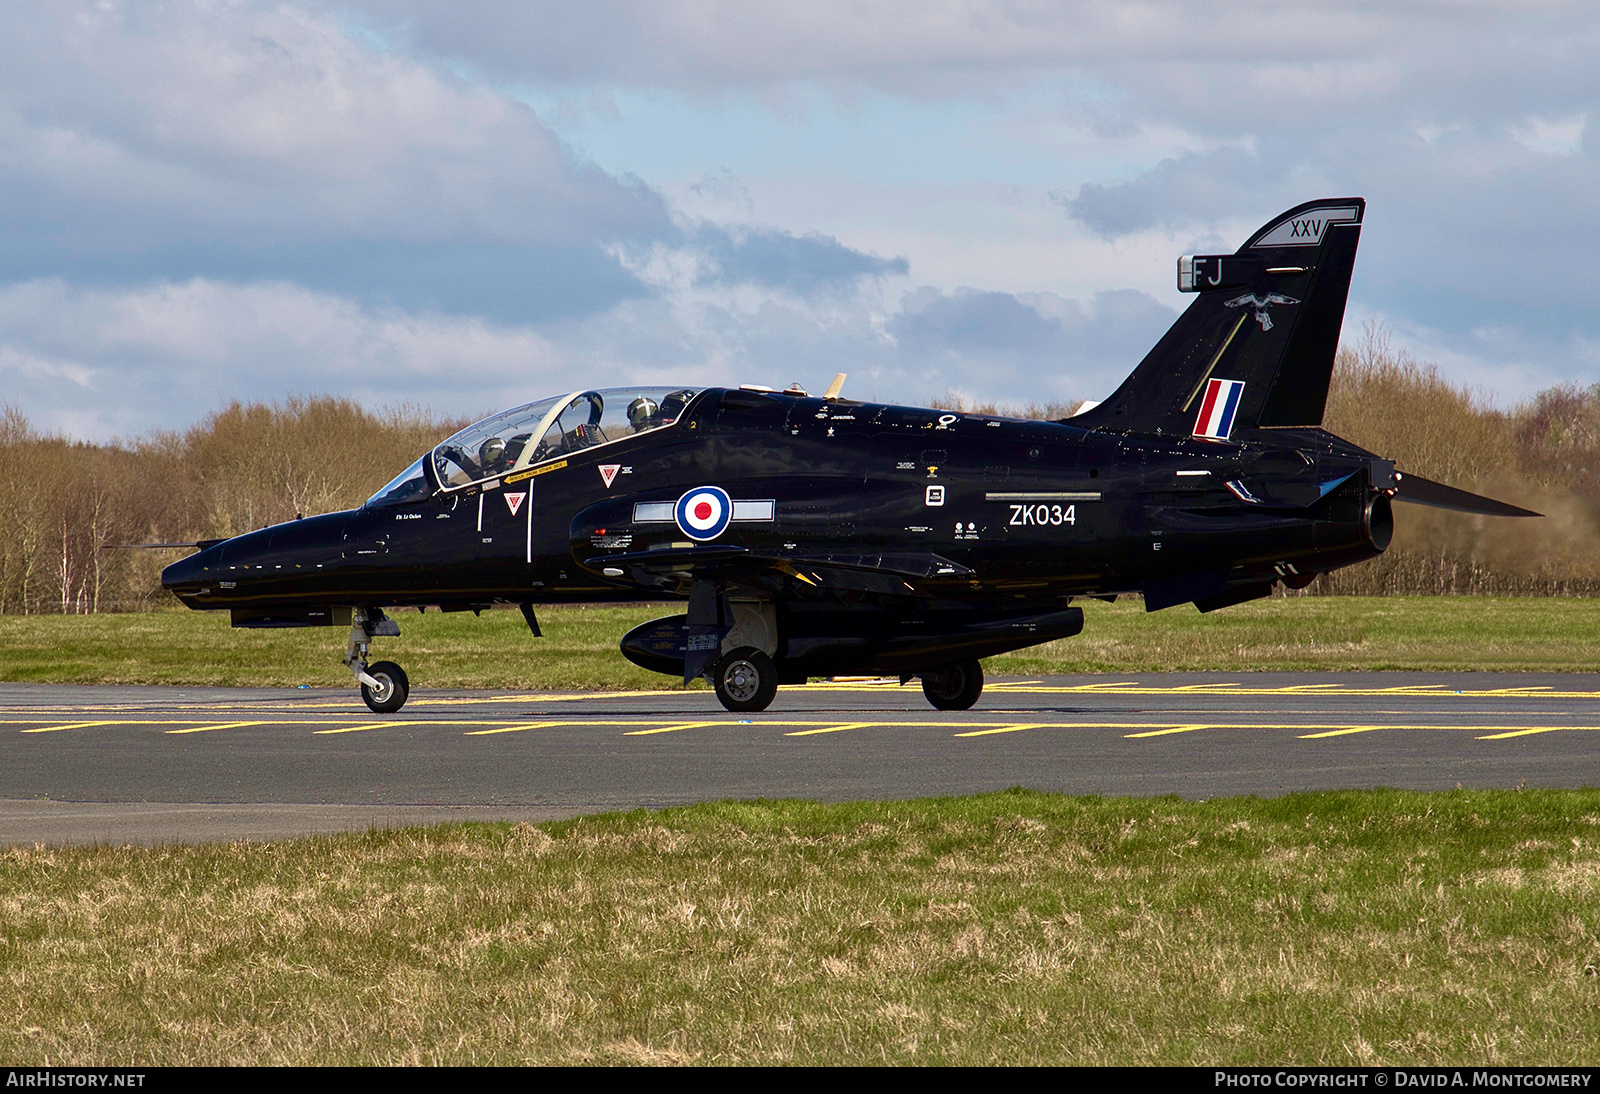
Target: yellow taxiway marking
(810, 727)
(1500, 732)
(1160, 729)
(518, 728)
(221, 725)
(201, 723)
(837, 728)
(1425, 691)
(361, 726)
(105, 722)
(1524, 731)
(1169, 730)
(1348, 730)
(1228, 689)
(674, 728)
(658, 725)
(1010, 727)
(532, 697)
(1018, 727)
(82, 725)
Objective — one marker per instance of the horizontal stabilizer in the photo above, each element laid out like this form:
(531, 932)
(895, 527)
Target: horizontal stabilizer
(1421, 491)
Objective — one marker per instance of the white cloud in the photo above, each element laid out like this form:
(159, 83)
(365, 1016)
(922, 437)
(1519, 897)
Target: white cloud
(257, 124)
(708, 44)
(1560, 137)
(162, 355)
(209, 200)
(101, 362)
(30, 367)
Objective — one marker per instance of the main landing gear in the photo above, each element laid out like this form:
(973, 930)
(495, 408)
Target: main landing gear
(745, 680)
(384, 687)
(954, 687)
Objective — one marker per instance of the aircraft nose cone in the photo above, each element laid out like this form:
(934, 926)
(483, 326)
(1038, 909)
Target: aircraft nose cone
(186, 576)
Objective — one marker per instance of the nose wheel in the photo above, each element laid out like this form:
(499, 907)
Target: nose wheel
(388, 690)
(384, 687)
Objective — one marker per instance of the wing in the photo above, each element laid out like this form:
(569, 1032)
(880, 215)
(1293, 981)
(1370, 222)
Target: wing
(897, 574)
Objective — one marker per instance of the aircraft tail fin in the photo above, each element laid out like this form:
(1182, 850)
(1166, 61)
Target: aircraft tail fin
(1257, 346)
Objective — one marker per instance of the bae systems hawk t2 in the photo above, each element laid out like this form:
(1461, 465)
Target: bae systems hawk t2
(823, 536)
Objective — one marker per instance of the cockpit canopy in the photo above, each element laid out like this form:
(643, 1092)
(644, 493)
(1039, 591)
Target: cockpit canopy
(535, 433)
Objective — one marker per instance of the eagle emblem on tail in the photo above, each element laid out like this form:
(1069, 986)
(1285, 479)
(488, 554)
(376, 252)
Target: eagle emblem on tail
(1261, 304)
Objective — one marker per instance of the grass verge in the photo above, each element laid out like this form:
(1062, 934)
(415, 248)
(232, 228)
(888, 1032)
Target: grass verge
(580, 647)
(1331, 928)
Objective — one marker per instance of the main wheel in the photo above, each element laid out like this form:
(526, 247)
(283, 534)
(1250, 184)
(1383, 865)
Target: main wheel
(745, 680)
(954, 687)
(392, 691)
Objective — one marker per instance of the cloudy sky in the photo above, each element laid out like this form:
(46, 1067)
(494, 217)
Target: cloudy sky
(467, 205)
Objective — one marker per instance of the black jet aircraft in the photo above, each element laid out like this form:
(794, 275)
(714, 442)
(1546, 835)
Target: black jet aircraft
(823, 536)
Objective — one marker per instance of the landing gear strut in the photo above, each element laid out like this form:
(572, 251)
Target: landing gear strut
(384, 687)
(954, 687)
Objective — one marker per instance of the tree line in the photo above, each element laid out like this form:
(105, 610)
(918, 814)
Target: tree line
(65, 505)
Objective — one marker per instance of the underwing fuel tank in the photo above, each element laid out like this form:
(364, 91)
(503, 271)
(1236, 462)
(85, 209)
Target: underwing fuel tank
(874, 644)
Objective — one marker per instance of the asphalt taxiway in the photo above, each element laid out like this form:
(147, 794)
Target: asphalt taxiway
(147, 764)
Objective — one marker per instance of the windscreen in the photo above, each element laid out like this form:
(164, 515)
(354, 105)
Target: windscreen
(410, 485)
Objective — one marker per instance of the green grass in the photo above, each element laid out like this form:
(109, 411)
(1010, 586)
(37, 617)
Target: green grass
(580, 650)
(1333, 928)
(1443, 633)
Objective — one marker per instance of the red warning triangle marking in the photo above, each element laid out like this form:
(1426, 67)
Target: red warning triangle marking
(608, 473)
(515, 501)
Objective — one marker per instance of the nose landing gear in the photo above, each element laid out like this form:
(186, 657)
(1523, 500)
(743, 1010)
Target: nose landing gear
(391, 690)
(384, 687)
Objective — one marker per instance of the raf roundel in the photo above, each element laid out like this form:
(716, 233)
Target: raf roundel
(703, 513)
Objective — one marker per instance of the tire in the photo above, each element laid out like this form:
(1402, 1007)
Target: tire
(745, 680)
(954, 687)
(396, 688)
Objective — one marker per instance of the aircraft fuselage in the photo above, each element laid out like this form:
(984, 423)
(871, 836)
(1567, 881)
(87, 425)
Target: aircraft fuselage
(1021, 509)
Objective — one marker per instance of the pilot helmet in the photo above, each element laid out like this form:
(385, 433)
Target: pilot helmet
(643, 413)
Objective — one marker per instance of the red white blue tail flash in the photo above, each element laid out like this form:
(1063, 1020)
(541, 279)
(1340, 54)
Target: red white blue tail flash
(1217, 411)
